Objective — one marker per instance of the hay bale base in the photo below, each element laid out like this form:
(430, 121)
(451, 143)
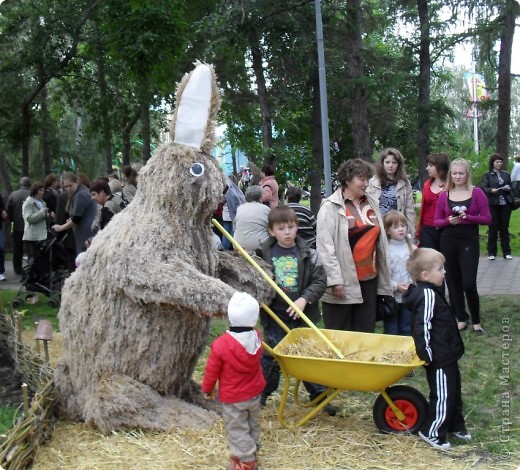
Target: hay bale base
(347, 441)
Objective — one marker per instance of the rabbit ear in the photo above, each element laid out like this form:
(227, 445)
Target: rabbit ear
(198, 102)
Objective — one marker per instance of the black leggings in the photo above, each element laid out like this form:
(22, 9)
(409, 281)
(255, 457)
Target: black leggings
(462, 256)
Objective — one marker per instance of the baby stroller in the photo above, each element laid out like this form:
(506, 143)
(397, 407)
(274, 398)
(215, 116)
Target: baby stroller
(45, 274)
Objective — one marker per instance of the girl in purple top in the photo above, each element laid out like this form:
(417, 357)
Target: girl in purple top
(460, 210)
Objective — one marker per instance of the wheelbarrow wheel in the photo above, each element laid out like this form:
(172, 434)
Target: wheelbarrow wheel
(412, 404)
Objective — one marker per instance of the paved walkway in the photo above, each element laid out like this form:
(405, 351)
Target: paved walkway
(498, 277)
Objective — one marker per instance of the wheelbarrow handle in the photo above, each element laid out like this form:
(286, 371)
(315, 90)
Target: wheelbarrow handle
(282, 294)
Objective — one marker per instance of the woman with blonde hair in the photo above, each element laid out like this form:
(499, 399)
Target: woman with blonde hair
(461, 208)
(391, 187)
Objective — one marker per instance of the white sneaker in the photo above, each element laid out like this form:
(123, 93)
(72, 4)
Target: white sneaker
(2, 278)
(435, 442)
(464, 435)
(508, 257)
(491, 257)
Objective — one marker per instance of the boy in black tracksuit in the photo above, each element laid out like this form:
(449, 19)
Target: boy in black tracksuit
(439, 345)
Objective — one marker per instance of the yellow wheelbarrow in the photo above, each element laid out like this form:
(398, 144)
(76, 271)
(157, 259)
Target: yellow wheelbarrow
(398, 408)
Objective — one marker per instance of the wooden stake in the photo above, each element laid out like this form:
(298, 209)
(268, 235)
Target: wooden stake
(25, 400)
(19, 327)
(37, 342)
(46, 350)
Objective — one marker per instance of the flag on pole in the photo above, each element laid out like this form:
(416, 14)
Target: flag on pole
(476, 87)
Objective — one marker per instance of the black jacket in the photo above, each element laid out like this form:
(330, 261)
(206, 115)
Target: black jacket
(312, 280)
(434, 326)
(490, 181)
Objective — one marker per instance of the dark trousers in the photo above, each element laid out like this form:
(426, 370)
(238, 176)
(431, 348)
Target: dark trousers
(2, 251)
(445, 409)
(354, 317)
(462, 257)
(17, 252)
(500, 216)
(400, 323)
(31, 247)
(273, 334)
(430, 237)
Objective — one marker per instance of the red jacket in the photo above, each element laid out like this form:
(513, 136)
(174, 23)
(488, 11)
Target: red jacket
(238, 372)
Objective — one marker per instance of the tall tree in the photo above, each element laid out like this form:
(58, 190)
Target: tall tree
(51, 30)
(507, 21)
(358, 105)
(423, 96)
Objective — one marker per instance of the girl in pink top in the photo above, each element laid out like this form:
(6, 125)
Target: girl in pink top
(460, 210)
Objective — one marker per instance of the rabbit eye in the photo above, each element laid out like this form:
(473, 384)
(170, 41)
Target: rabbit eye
(197, 169)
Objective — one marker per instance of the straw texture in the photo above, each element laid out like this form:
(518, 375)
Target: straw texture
(135, 316)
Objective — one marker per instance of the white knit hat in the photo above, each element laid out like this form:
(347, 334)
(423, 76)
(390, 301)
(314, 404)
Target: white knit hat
(243, 310)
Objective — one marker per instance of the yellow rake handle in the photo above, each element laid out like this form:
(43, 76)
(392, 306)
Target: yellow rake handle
(279, 291)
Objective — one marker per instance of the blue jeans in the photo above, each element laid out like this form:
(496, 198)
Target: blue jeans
(400, 324)
(273, 334)
(226, 244)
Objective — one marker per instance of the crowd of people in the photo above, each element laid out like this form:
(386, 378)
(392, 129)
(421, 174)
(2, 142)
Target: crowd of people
(70, 208)
(363, 244)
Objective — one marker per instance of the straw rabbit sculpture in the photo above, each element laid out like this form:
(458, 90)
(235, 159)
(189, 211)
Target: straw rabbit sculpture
(136, 314)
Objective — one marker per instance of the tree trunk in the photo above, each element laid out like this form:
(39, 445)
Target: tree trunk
(317, 145)
(26, 132)
(145, 130)
(106, 127)
(263, 99)
(79, 136)
(358, 106)
(5, 181)
(423, 101)
(45, 131)
(504, 79)
(126, 137)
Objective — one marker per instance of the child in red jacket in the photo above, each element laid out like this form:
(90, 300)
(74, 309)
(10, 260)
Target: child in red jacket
(234, 361)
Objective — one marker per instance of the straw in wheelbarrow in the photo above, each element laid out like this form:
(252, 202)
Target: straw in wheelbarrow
(309, 347)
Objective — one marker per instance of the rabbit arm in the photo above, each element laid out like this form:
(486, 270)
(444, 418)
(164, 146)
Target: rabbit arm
(238, 273)
(177, 283)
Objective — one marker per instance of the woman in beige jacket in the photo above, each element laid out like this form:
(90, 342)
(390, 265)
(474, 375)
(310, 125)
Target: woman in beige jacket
(353, 249)
(391, 188)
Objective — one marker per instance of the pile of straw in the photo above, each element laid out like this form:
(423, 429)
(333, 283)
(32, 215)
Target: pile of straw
(308, 347)
(346, 441)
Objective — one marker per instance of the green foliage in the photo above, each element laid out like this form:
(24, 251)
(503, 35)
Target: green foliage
(130, 53)
(7, 418)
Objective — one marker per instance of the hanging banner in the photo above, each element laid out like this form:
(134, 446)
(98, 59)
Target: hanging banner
(473, 111)
(476, 87)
